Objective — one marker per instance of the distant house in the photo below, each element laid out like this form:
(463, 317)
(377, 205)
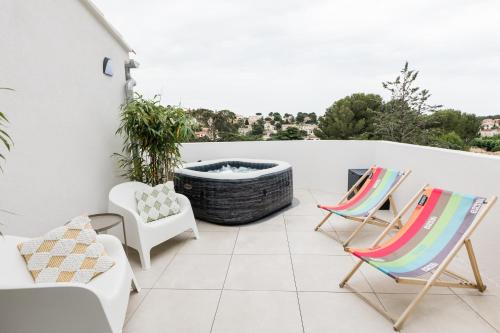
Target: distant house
(204, 132)
(253, 119)
(490, 127)
(244, 130)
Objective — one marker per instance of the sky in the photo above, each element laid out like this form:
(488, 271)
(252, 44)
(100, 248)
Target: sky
(301, 56)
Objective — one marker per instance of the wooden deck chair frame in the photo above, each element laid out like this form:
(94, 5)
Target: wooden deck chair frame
(442, 269)
(371, 218)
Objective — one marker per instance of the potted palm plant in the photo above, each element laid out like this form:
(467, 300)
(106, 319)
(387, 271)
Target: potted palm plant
(152, 135)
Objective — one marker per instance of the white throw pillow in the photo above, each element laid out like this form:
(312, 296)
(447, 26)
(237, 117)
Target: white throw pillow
(157, 202)
(66, 254)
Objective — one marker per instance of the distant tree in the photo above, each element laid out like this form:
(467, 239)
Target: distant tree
(278, 125)
(313, 118)
(258, 128)
(202, 116)
(402, 119)
(350, 117)
(270, 114)
(232, 136)
(277, 116)
(488, 144)
(300, 117)
(450, 140)
(217, 122)
(258, 114)
(246, 122)
(291, 133)
(268, 119)
(497, 116)
(465, 125)
(225, 121)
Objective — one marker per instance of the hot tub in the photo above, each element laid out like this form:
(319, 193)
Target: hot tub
(235, 191)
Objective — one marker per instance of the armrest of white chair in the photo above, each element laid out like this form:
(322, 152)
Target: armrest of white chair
(183, 201)
(122, 201)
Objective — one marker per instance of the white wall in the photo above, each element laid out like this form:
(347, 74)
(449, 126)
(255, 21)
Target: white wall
(323, 165)
(63, 113)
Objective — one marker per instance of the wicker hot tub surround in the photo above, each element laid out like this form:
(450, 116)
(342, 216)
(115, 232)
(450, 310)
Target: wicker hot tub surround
(234, 198)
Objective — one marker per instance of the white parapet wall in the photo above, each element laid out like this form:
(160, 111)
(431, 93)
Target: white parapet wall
(63, 112)
(316, 164)
(324, 165)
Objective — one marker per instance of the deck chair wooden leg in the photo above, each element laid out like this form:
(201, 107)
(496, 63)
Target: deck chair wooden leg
(323, 221)
(358, 229)
(411, 307)
(350, 274)
(475, 268)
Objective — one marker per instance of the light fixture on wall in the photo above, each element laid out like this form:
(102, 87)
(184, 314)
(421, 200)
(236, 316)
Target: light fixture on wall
(130, 83)
(107, 66)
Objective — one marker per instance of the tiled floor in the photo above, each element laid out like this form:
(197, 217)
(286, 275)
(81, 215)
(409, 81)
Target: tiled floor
(279, 275)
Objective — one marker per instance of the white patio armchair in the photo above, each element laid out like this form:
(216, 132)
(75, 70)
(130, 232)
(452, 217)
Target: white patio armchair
(98, 306)
(144, 236)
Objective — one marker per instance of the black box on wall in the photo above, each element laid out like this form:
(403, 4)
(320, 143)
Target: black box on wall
(353, 175)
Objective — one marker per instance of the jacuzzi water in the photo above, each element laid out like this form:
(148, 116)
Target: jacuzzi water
(232, 169)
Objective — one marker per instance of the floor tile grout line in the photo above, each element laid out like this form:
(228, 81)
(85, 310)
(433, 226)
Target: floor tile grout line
(224, 282)
(303, 291)
(169, 263)
(137, 307)
(327, 222)
(153, 285)
(264, 254)
(472, 309)
(293, 273)
(373, 290)
(364, 277)
(228, 289)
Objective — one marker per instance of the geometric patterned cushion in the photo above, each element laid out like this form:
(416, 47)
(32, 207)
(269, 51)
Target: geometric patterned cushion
(157, 202)
(68, 253)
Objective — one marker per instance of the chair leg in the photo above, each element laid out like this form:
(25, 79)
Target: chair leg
(350, 274)
(323, 221)
(144, 255)
(357, 230)
(135, 284)
(195, 231)
(475, 268)
(399, 323)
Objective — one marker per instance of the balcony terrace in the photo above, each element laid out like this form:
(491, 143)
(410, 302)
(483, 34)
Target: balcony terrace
(68, 73)
(278, 275)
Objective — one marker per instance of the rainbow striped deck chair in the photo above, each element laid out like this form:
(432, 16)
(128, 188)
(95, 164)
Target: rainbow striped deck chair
(419, 253)
(378, 187)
